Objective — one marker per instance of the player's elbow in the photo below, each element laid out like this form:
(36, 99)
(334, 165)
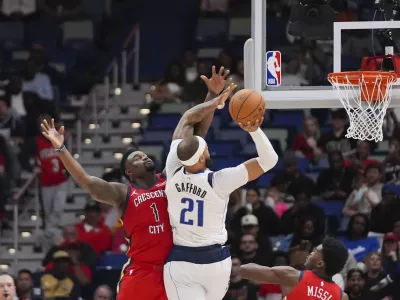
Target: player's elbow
(268, 164)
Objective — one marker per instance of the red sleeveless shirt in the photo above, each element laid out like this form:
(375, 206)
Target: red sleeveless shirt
(312, 287)
(146, 223)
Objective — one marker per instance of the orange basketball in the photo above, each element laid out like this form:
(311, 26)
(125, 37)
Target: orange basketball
(247, 105)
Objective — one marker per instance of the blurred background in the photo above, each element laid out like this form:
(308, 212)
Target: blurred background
(119, 74)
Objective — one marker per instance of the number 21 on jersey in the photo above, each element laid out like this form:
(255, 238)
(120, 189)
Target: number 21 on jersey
(194, 209)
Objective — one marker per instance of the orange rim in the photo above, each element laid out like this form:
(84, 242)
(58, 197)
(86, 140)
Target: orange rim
(368, 91)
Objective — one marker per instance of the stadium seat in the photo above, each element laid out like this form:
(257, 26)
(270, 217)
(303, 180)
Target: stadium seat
(159, 136)
(282, 119)
(11, 34)
(332, 208)
(113, 260)
(164, 121)
(240, 27)
(78, 34)
(223, 148)
(264, 180)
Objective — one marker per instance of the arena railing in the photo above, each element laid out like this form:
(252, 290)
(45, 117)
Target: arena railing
(32, 182)
(114, 81)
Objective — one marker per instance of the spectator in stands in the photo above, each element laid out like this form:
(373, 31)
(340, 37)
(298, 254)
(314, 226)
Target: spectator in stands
(305, 143)
(25, 289)
(273, 291)
(238, 76)
(14, 95)
(11, 124)
(374, 274)
(292, 181)
(76, 267)
(37, 82)
(239, 288)
(392, 163)
(291, 75)
(274, 200)
(357, 240)
(8, 172)
(355, 287)
(368, 193)
(92, 231)
(302, 208)
(196, 91)
(391, 264)
(169, 89)
(250, 252)
(103, 292)
(335, 139)
(70, 236)
(335, 183)
(7, 286)
(267, 219)
(384, 215)
(58, 283)
(362, 157)
(396, 228)
(351, 263)
(225, 59)
(190, 66)
(214, 6)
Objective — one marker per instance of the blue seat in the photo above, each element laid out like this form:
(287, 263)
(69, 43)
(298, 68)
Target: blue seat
(264, 180)
(303, 164)
(157, 136)
(11, 34)
(164, 121)
(223, 148)
(288, 118)
(331, 208)
(250, 148)
(113, 260)
(225, 162)
(233, 134)
(313, 176)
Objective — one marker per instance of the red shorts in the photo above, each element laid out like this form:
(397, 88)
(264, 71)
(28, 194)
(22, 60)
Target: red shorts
(142, 283)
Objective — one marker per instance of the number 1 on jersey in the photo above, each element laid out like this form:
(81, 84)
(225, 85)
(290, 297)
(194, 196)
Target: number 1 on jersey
(155, 212)
(190, 208)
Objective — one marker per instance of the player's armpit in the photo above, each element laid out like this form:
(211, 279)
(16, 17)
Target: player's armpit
(276, 275)
(107, 192)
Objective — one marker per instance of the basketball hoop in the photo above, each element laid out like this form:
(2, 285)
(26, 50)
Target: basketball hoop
(366, 96)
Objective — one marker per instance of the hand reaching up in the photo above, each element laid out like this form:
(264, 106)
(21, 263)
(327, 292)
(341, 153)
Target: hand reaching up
(217, 81)
(51, 133)
(225, 95)
(250, 127)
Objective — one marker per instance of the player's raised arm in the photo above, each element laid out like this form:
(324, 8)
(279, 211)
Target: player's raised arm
(110, 193)
(267, 157)
(197, 113)
(185, 127)
(276, 275)
(215, 85)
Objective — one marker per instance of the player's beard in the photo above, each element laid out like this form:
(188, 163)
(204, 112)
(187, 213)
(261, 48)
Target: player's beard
(209, 162)
(150, 167)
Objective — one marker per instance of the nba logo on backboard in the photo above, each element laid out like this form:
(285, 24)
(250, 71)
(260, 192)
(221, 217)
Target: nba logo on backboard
(273, 62)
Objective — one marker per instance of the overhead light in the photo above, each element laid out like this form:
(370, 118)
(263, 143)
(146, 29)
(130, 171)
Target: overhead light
(25, 234)
(135, 125)
(82, 217)
(117, 91)
(153, 88)
(88, 141)
(11, 251)
(76, 156)
(107, 170)
(4, 267)
(33, 218)
(126, 141)
(92, 126)
(144, 111)
(118, 155)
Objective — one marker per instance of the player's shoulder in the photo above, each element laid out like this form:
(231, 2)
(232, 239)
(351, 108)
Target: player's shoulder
(345, 296)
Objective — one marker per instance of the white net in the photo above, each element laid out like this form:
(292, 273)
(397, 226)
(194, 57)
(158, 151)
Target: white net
(366, 98)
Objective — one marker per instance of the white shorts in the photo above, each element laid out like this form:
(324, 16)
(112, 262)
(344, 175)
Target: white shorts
(188, 281)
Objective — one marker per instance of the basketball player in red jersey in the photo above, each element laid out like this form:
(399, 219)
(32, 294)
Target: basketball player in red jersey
(316, 282)
(142, 204)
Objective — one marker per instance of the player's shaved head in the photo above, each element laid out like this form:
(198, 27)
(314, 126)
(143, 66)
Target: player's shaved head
(187, 148)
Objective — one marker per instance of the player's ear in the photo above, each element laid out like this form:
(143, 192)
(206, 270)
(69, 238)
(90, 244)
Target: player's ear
(128, 172)
(320, 264)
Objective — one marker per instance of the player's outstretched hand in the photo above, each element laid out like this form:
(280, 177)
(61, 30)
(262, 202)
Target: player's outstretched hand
(250, 127)
(217, 82)
(51, 133)
(225, 95)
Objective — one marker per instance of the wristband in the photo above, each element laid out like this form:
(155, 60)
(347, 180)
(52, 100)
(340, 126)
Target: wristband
(60, 149)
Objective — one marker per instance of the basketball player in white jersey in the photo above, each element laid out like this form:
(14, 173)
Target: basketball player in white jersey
(199, 266)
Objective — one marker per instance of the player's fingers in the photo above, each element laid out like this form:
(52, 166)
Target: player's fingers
(226, 73)
(45, 125)
(204, 78)
(52, 123)
(45, 134)
(213, 71)
(61, 131)
(221, 70)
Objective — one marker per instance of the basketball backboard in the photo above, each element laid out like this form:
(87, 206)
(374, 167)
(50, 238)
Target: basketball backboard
(293, 93)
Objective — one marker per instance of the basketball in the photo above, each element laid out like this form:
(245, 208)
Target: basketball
(247, 105)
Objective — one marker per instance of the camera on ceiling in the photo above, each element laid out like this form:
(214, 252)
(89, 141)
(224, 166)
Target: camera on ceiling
(312, 19)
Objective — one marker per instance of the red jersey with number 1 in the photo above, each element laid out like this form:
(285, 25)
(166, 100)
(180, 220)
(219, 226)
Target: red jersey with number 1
(312, 287)
(52, 169)
(146, 223)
